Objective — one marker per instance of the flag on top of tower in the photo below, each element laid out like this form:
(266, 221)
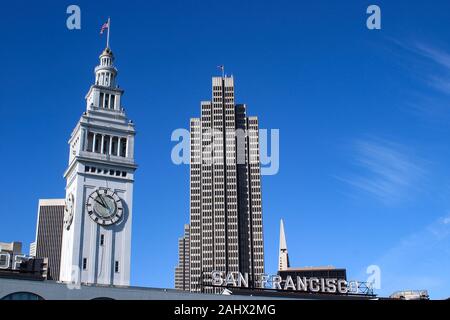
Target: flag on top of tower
(104, 26)
(222, 68)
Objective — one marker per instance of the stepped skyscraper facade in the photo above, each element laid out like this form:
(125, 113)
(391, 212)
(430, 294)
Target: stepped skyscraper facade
(182, 277)
(225, 189)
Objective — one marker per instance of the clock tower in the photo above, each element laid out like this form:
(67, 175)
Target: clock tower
(96, 245)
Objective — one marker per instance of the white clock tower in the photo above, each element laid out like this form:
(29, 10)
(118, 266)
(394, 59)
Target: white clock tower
(96, 245)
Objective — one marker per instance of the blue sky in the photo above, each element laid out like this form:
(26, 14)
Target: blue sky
(364, 122)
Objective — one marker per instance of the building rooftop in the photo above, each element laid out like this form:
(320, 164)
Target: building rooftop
(311, 268)
(14, 247)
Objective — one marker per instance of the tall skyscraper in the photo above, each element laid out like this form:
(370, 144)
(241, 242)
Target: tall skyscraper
(283, 257)
(225, 189)
(182, 276)
(96, 244)
(49, 231)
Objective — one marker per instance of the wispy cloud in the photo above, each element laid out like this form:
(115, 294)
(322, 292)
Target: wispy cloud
(428, 65)
(438, 56)
(437, 75)
(420, 260)
(385, 169)
(439, 83)
(429, 62)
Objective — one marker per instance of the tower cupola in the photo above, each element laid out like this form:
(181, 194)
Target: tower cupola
(105, 72)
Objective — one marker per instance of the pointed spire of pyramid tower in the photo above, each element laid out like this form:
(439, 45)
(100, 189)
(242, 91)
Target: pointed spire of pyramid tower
(283, 257)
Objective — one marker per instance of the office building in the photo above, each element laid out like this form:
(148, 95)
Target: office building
(182, 276)
(225, 189)
(14, 247)
(321, 272)
(32, 252)
(49, 230)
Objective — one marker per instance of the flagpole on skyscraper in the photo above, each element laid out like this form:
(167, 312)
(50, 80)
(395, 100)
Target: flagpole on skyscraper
(223, 70)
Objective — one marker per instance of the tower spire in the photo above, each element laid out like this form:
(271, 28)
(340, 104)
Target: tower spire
(283, 254)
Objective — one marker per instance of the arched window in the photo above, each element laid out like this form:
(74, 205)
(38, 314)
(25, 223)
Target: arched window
(22, 296)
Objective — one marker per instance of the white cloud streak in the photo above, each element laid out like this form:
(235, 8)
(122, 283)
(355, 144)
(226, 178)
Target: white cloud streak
(419, 261)
(385, 170)
(436, 75)
(436, 55)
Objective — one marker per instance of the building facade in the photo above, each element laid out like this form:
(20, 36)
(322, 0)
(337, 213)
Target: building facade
(16, 265)
(182, 275)
(15, 289)
(49, 231)
(225, 189)
(32, 251)
(96, 246)
(14, 247)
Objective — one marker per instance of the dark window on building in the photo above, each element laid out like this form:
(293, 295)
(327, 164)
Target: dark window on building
(102, 239)
(114, 146)
(84, 263)
(106, 101)
(116, 266)
(123, 146)
(90, 144)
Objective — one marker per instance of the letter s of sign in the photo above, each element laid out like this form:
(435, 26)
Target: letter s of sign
(216, 278)
(374, 20)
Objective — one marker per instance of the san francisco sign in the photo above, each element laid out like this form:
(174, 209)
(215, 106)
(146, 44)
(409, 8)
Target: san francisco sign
(301, 284)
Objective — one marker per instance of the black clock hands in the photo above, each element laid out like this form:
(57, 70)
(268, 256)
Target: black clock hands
(98, 202)
(102, 203)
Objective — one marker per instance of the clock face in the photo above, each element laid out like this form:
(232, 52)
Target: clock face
(68, 211)
(104, 206)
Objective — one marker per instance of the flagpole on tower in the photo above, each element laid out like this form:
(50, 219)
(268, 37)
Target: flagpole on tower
(107, 35)
(222, 68)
